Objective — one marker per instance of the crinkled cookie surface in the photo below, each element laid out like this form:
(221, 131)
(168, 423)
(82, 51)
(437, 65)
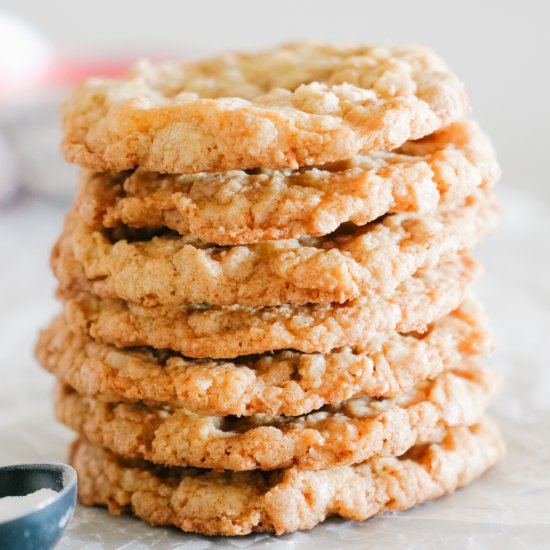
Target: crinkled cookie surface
(298, 105)
(341, 434)
(244, 207)
(351, 263)
(231, 331)
(238, 503)
(282, 383)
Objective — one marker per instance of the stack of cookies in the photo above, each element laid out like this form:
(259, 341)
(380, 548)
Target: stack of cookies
(265, 279)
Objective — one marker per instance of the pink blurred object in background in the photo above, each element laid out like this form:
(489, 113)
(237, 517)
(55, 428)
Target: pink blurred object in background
(29, 64)
(65, 71)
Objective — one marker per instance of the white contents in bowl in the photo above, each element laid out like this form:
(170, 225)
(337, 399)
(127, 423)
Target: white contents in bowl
(11, 507)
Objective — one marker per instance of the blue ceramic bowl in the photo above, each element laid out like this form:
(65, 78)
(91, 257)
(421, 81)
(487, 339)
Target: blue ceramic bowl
(42, 526)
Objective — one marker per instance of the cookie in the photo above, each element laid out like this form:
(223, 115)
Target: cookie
(340, 434)
(284, 383)
(298, 105)
(353, 262)
(244, 207)
(226, 332)
(238, 503)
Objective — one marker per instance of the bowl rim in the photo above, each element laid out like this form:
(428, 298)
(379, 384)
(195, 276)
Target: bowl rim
(70, 479)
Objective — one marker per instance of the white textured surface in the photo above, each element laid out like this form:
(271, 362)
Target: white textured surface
(508, 508)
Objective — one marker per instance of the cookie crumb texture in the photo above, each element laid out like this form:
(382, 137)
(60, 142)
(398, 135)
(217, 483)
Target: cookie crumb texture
(352, 262)
(342, 434)
(227, 332)
(298, 105)
(282, 383)
(238, 503)
(245, 207)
